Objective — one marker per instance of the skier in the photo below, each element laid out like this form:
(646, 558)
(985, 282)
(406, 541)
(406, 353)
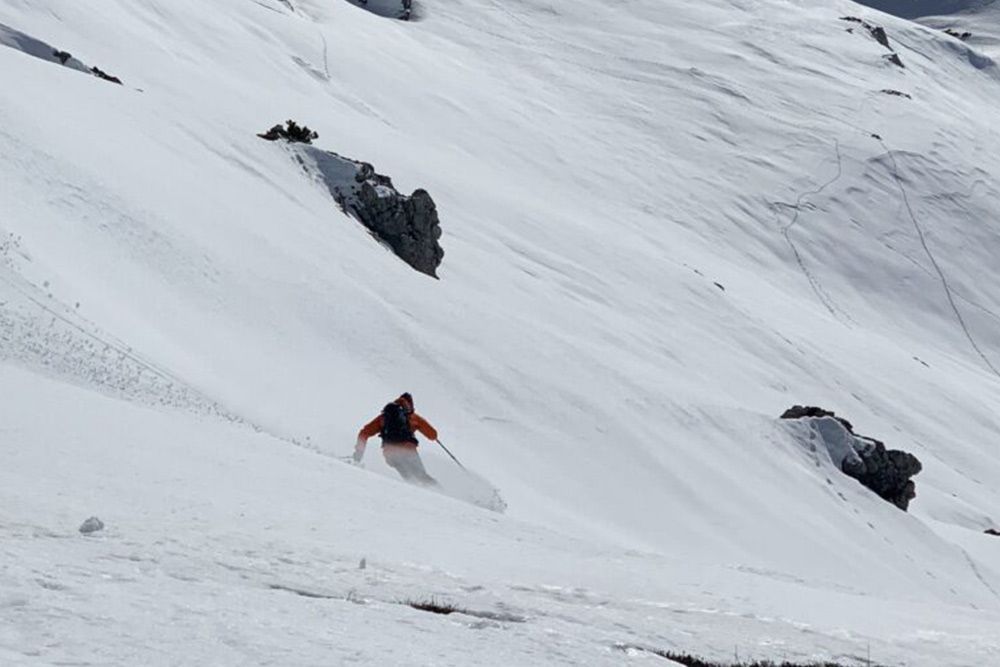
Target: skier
(396, 425)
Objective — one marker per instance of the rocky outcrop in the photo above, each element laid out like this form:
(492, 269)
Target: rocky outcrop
(396, 9)
(407, 224)
(887, 472)
(958, 35)
(895, 60)
(91, 525)
(896, 93)
(879, 34)
(101, 74)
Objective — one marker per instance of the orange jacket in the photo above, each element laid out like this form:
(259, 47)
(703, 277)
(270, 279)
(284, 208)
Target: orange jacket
(417, 423)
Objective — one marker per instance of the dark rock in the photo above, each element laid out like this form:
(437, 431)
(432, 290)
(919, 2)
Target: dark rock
(878, 32)
(887, 472)
(397, 9)
(896, 60)
(292, 132)
(91, 525)
(275, 133)
(992, 531)
(958, 35)
(99, 73)
(408, 225)
(61, 56)
(897, 93)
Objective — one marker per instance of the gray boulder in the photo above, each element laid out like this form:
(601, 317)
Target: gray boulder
(395, 9)
(91, 525)
(407, 224)
(887, 472)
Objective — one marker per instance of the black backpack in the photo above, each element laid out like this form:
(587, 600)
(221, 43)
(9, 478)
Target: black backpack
(396, 424)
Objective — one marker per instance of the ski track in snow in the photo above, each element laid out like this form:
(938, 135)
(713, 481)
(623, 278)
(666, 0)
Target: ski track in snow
(821, 293)
(950, 293)
(979, 575)
(937, 267)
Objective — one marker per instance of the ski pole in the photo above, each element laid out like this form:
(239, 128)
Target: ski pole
(450, 454)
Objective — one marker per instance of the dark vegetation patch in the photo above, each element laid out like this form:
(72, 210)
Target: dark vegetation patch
(693, 661)
(429, 605)
(433, 606)
(292, 132)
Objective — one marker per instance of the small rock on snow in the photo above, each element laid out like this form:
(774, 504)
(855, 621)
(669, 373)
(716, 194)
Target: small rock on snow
(91, 525)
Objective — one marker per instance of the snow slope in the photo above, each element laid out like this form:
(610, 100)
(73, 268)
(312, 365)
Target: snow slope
(226, 547)
(598, 167)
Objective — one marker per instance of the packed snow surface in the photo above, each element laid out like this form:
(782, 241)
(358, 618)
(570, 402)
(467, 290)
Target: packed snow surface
(664, 224)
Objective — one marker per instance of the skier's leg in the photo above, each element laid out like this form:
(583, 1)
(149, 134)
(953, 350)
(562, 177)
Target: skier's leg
(417, 471)
(403, 458)
(395, 457)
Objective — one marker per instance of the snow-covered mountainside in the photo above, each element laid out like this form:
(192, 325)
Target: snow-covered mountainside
(663, 224)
